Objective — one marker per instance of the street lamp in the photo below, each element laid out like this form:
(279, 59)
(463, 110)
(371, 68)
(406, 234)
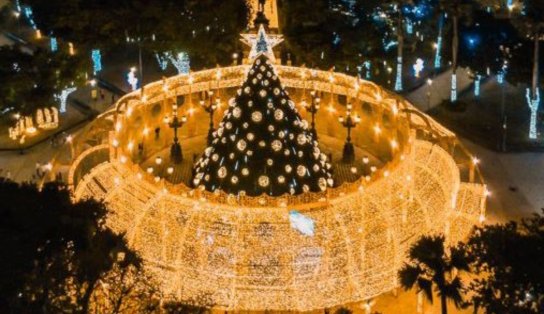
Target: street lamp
(313, 108)
(210, 108)
(349, 122)
(176, 153)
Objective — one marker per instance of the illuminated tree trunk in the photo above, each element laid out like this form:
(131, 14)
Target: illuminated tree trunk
(533, 95)
(438, 52)
(455, 50)
(400, 35)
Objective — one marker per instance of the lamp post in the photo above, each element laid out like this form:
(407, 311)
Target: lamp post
(313, 108)
(210, 108)
(349, 122)
(176, 154)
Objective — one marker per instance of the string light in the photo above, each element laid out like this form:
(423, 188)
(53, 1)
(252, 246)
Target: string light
(62, 98)
(97, 60)
(200, 248)
(533, 103)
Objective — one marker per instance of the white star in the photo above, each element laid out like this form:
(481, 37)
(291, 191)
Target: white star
(261, 43)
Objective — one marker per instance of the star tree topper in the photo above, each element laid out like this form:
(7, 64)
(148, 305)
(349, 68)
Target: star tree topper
(261, 44)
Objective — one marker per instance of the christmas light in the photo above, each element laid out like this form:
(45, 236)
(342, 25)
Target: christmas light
(132, 79)
(438, 51)
(418, 67)
(53, 44)
(533, 103)
(162, 60)
(181, 62)
(62, 98)
(189, 238)
(398, 81)
(453, 88)
(97, 61)
(477, 83)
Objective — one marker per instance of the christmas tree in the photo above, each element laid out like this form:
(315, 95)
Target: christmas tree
(262, 145)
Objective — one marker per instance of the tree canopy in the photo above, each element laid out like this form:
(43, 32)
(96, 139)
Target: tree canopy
(54, 250)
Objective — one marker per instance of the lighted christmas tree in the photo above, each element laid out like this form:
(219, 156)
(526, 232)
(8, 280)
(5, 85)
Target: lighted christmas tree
(262, 145)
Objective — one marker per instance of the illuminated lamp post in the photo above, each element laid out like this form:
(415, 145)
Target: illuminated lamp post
(210, 108)
(176, 154)
(349, 122)
(313, 108)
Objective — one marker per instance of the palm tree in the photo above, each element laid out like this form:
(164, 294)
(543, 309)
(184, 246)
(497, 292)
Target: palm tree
(431, 267)
(455, 9)
(533, 25)
(398, 4)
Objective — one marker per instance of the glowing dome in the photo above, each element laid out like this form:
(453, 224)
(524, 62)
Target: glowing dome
(295, 252)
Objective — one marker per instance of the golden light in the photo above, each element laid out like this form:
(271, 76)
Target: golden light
(241, 251)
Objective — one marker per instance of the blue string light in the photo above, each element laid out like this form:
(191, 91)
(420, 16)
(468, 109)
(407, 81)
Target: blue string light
(477, 84)
(97, 61)
(54, 44)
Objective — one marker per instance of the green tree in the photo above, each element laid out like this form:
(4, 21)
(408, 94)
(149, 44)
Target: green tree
(430, 268)
(509, 259)
(55, 251)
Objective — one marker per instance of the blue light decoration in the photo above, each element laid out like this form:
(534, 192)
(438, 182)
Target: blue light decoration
(368, 67)
(477, 84)
(390, 44)
(398, 80)
(418, 66)
(132, 79)
(62, 98)
(438, 52)
(182, 62)
(18, 5)
(409, 27)
(29, 16)
(534, 103)
(162, 60)
(500, 77)
(453, 88)
(97, 60)
(54, 44)
(472, 40)
(299, 222)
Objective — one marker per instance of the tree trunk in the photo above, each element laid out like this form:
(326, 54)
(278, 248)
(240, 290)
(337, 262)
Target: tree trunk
(400, 48)
(86, 300)
(444, 304)
(455, 51)
(536, 65)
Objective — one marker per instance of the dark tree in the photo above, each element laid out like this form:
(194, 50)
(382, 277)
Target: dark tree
(30, 80)
(262, 145)
(206, 29)
(509, 259)
(432, 269)
(325, 33)
(54, 251)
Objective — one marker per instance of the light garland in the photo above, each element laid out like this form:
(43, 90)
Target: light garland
(191, 239)
(477, 84)
(453, 88)
(162, 60)
(418, 67)
(53, 44)
(533, 101)
(132, 79)
(398, 81)
(62, 98)
(96, 55)
(438, 52)
(181, 62)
